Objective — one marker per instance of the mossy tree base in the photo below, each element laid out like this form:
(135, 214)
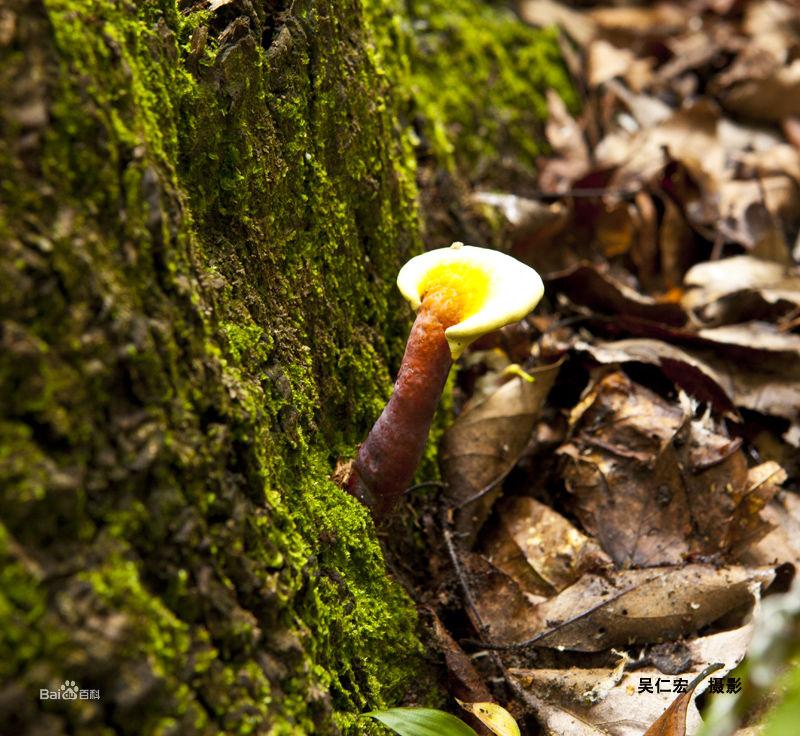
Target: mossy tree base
(202, 213)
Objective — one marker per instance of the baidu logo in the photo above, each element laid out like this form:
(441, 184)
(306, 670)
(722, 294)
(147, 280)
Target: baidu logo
(69, 691)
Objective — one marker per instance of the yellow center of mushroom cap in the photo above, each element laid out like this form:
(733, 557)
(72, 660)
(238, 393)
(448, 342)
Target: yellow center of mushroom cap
(454, 291)
(471, 290)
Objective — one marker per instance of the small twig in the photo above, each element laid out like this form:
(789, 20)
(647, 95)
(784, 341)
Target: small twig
(705, 673)
(716, 249)
(584, 192)
(460, 504)
(425, 484)
(465, 588)
(789, 321)
(467, 593)
(566, 322)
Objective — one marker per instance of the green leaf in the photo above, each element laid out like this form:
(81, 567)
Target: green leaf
(421, 722)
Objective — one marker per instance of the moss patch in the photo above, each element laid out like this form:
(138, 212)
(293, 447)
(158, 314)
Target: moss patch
(202, 220)
(478, 80)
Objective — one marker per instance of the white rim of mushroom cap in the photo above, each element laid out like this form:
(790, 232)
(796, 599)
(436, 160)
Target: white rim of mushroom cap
(513, 289)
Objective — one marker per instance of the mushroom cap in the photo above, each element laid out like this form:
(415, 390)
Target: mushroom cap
(501, 288)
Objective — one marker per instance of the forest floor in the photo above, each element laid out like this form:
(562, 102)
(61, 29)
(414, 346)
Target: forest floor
(605, 532)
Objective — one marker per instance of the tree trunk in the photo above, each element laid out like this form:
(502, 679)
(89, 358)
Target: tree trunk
(202, 211)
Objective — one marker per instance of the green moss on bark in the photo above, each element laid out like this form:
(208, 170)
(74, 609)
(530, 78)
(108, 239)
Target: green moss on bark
(479, 78)
(202, 215)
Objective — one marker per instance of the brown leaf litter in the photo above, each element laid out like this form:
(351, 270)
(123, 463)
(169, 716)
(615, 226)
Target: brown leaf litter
(617, 520)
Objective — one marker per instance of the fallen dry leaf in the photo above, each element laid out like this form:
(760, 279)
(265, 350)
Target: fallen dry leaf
(754, 214)
(750, 524)
(644, 606)
(741, 288)
(673, 721)
(566, 138)
(695, 51)
(616, 701)
(626, 607)
(762, 380)
(647, 111)
(538, 548)
(616, 228)
(485, 442)
(754, 335)
(499, 609)
(654, 485)
(463, 680)
(490, 369)
(555, 720)
(782, 544)
(763, 377)
(606, 61)
(620, 712)
(657, 19)
(644, 253)
(772, 25)
(675, 244)
(546, 13)
(760, 87)
(585, 284)
(693, 375)
(526, 217)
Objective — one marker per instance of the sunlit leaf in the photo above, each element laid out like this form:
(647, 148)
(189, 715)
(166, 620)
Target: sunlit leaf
(496, 718)
(421, 722)
(485, 442)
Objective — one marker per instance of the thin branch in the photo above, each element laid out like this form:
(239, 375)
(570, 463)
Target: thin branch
(425, 484)
(465, 587)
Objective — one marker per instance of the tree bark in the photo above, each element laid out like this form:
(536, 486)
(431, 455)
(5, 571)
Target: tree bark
(203, 208)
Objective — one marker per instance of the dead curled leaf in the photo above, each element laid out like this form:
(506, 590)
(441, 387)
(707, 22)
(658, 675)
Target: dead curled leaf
(502, 611)
(606, 61)
(760, 87)
(782, 544)
(557, 721)
(654, 485)
(485, 442)
(621, 712)
(526, 217)
(618, 608)
(641, 606)
(653, 20)
(550, 13)
(673, 720)
(685, 370)
(566, 138)
(740, 288)
(754, 365)
(538, 548)
(463, 679)
(585, 284)
(612, 701)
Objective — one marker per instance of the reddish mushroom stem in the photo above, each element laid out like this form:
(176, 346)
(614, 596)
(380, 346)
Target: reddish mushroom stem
(387, 459)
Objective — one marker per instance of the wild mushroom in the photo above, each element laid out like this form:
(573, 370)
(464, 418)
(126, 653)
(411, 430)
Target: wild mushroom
(460, 293)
